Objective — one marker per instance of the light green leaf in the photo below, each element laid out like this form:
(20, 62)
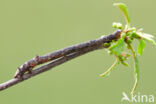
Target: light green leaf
(118, 48)
(107, 73)
(123, 8)
(146, 37)
(141, 47)
(136, 73)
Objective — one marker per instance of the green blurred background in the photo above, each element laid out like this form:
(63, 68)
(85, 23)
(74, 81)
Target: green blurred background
(37, 27)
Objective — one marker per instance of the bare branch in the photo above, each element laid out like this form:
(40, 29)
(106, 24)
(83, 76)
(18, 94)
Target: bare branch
(61, 56)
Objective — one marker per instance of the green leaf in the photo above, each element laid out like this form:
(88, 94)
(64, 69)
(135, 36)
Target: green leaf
(147, 37)
(123, 8)
(136, 73)
(107, 73)
(141, 47)
(118, 48)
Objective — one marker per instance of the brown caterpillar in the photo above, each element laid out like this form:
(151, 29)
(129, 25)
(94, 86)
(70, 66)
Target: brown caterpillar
(29, 65)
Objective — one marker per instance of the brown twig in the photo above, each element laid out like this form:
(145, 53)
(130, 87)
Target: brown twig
(61, 56)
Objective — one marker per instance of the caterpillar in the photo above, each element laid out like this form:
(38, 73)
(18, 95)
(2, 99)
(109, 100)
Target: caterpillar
(29, 65)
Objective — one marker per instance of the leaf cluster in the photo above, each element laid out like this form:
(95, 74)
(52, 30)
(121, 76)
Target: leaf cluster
(128, 34)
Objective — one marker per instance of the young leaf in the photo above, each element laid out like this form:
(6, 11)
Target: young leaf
(136, 73)
(111, 68)
(141, 47)
(118, 48)
(123, 8)
(146, 37)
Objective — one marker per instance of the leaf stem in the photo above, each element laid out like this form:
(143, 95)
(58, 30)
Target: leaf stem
(131, 48)
(136, 71)
(116, 62)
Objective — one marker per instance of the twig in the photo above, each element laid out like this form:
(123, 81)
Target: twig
(64, 55)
